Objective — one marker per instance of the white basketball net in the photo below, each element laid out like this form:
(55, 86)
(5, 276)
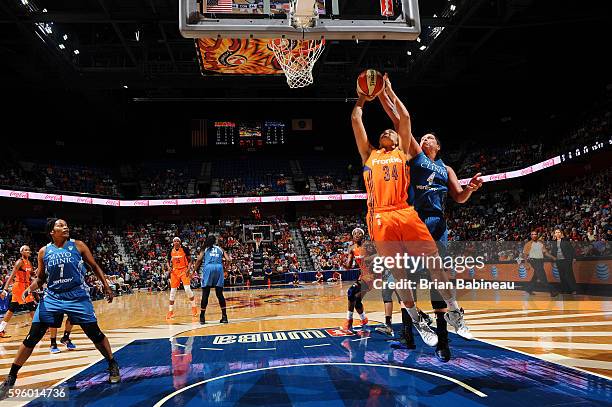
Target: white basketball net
(297, 58)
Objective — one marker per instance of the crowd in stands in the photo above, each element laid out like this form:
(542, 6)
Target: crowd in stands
(581, 209)
(328, 239)
(168, 183)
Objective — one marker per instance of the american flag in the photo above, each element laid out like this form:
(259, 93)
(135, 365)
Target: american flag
(218, 6)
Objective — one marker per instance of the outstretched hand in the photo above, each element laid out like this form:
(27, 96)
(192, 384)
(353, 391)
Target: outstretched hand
(108, 294)
(475, 183)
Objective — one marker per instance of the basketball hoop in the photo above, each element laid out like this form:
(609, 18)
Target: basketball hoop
(297, 58)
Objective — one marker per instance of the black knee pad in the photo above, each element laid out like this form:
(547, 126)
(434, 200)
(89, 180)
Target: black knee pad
(353, 291)
(37, 331)
(13, 306)
(438, 304)
(31, 306)
(93, 332)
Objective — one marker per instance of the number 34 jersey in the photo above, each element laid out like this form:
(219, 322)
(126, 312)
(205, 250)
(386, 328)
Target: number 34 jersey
(386, 179)
(65, 271)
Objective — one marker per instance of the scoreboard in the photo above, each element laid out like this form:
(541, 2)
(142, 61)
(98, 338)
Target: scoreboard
(249, 135)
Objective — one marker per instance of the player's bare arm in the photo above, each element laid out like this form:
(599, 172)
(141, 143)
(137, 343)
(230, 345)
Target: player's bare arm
(456, 191)
(361, 136)
(88, 258)
(199, 260)
(16, 267)
(408, 143)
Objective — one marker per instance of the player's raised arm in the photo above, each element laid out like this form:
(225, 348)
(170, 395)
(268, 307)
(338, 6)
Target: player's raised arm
(408, 143)
(456, 191)
(361, 137)
(389, 108)
(88, 258)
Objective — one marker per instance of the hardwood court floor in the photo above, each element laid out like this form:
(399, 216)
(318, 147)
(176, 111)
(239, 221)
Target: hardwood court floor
(575, 333)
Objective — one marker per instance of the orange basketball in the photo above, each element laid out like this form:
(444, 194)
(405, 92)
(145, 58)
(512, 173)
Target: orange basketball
(370, 83)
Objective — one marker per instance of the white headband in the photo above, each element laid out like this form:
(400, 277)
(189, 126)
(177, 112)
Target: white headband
(176, 238)
(358, 230)
(22, 248)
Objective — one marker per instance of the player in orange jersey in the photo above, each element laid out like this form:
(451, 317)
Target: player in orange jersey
(395, 226)
(358, 253)
(22, 274)
(181, 362)
(179, 262)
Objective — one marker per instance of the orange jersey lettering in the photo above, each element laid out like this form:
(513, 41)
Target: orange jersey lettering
(22, 276)
(359, 254)
(179, 259)
(386, 179)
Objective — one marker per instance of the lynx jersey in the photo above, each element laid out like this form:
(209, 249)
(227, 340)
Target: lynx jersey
(386, 179)
(428, 185)
(65, 271)
(213, 256)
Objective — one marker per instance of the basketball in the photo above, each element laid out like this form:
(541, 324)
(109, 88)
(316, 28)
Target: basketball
(370, 83)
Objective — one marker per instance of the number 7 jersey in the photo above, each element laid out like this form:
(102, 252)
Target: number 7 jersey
(386, 179)
(65, 271)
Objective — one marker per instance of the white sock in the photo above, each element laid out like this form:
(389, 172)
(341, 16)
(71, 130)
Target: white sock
(414, 313)
(193, 302)
(349, 314)
(362, 316)
(171, 308)
(452, 305)
(2, 325)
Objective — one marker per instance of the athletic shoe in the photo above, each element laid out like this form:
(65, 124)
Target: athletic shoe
(170, 315)
(7, 384)
(202, 318)
(68, 343)
(426, 317)
(364, 322)
(114, 375)
(455, 319)
(427, 334)
(194, 311)
(224, 320)
(348, 325)
(443, 352)
(407, 338)
(385, 330)
(54, 350)
(3, 334)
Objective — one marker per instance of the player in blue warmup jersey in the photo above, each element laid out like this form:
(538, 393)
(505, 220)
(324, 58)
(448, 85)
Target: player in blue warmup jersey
(210, 263)
(61, 265)
(430, 182)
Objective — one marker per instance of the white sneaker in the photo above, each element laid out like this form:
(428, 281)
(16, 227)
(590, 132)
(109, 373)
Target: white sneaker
(455, 319)
(428, 335)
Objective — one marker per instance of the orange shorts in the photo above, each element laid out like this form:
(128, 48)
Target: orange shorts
(176, 276)
(400, 231)
(17, 292)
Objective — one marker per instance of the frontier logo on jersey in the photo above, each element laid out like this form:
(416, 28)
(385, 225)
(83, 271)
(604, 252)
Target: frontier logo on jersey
(279, 336)
(391, 160)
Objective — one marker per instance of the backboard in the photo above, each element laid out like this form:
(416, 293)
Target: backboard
(300, 19)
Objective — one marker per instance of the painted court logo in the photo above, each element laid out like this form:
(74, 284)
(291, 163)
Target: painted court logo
(279, 336)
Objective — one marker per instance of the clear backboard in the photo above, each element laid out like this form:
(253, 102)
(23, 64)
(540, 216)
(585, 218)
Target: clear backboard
(300, 19)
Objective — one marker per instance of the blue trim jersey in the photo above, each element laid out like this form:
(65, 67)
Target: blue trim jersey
(213, 256)
(428, 186)
(65, 271)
